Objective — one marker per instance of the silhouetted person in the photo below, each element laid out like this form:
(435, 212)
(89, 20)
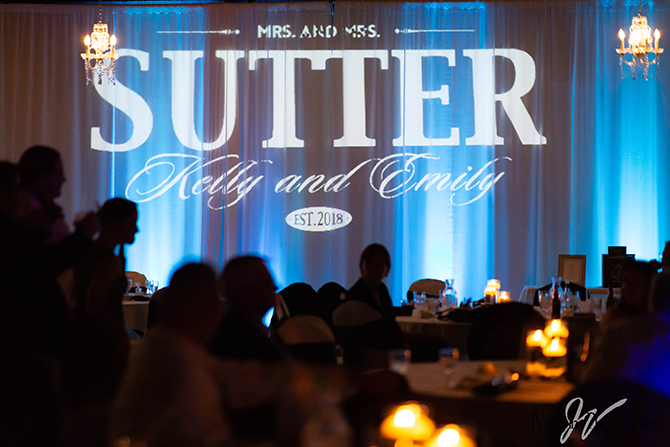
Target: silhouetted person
(375, 264)
(28, 270)
(249, 289)
(638, 349)
(171, 394)
(665, 257)
(42, 176)
(636, 278)
(35, 332)
(41, 173)
(98, 289)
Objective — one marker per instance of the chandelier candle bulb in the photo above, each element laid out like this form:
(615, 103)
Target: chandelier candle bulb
(657, 36)
(621, 37)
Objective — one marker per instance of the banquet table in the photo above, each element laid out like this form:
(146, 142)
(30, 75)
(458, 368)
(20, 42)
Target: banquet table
(454, 334)
(136, 315)
(518, 417)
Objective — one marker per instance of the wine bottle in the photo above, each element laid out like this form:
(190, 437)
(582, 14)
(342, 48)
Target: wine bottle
(556, 306)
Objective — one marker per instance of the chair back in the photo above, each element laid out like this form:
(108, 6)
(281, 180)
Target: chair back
(354, 313)
(331, 295)
(309, 339)
(498, 332)
(300, 299)
(305, 329)
(136, 277)
(431, 287)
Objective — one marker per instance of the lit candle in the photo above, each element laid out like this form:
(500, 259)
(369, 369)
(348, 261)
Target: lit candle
(536, 339)
(490, 294)
(504, 297)
(556, 328)
(554, 349)
(621, 36)
(491, 291)
(657, 36)
(409, 422)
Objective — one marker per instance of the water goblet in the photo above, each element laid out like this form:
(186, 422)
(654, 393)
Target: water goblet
(545, 304)
(399, 360)
(448, 357)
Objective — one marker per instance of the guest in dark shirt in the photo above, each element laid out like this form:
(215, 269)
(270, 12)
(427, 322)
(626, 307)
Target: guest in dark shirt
(636, 279)
(248, 288)
(35, 331)
(375, 265)
(41, 173)
(665, 257)
(638, 349)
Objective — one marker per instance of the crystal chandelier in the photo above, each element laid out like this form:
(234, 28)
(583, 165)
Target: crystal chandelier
(100, 58)
(640, 46)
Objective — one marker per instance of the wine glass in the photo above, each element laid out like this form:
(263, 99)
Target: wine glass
(448, 357)
(399, 360)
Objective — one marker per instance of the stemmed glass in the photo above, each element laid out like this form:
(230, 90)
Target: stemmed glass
(545, 303)
(448, 357)
(399, 360)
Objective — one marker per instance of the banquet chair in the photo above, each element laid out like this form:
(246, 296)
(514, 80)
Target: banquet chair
(431, 287)
(308, 338)
(354, 313)
(300, 299)
(136, 277)
(360, 332)
(331, 295)
(498, 332)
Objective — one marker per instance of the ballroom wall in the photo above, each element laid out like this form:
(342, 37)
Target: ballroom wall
(474, 140)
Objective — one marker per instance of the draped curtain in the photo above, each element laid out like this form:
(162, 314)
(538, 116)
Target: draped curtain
(473, 140)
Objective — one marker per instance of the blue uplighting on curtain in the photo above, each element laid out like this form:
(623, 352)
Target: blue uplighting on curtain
(474, 140)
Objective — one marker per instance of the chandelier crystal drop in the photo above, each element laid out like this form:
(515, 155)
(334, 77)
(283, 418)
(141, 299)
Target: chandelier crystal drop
(641, 46)
(100, 58)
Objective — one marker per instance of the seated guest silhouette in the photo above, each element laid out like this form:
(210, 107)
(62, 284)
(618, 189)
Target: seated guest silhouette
(381, 333)
(170, 395)
(375, 265)
(638, 349)
(248, 288)
(636, 279)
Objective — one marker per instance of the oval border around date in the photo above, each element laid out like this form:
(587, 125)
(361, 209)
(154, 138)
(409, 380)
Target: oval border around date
(318, 219)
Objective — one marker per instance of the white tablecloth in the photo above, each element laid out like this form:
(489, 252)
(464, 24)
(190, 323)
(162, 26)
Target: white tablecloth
(508, 419)
(136, 315)
(453, 333)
